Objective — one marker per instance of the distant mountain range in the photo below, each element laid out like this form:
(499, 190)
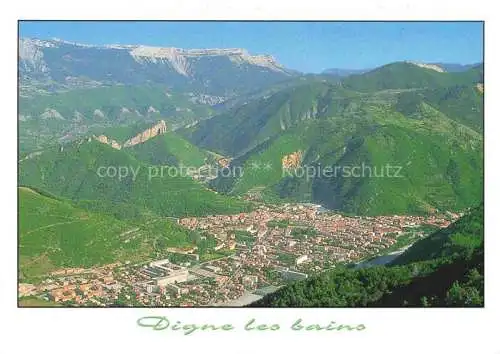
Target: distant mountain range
(56, 65)
(450, 67)
(68, 89)
(251, 110)
(49, 65)
(344, 72)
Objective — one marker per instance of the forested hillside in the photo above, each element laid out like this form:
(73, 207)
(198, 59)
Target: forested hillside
(425, 123)
(54, 233)
(88, 170)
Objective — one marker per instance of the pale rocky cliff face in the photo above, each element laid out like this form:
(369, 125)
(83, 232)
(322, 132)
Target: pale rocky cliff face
(105, 140)
(98, 113)
(214, 72)
(224, 162)
(31, 55)
(179, 58)
(155, 130)
(292, 161)
(51, 114)
(429, 66)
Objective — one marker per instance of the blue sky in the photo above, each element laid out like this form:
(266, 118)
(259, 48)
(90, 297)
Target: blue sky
(304, 46)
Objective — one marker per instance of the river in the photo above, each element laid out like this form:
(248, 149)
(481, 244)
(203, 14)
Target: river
(246, 299)
(382, 260)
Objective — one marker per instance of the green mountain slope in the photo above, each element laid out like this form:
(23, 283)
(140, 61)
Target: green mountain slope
(244, 127)
(121, 133)
(88, 170)
(170, 149)
(54, 234)
(462, 237)
(452, 278)
(438, 159)
(464, 104)
(404, 75)
(406, 166)
(68, 115)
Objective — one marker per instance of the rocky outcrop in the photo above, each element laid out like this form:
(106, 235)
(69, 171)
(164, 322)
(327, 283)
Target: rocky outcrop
(224, 162)
(292, 161)
(179, 59)
(78, 117)
(429, 66)
(63, 65)
(157, 129)
(98, 113)
(105, 140)
(154, 55)
(51, 114)
(31, 55)
(151, 109)
(480, 87)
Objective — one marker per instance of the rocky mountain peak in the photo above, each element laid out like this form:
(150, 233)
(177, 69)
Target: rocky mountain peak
(45, 62)
(179, 58)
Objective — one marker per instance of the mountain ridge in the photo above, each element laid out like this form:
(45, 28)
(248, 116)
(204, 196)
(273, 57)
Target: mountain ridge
(57, 64)
(424, 130)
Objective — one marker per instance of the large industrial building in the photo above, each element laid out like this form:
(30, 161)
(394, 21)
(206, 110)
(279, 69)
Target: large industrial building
(163, 272)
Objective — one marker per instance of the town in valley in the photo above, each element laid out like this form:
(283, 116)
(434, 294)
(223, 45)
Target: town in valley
(244, 257)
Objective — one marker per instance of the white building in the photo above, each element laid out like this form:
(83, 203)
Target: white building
(178, 276)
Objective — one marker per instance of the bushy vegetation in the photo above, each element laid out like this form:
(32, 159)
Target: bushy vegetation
(303, 232)
(244, 237)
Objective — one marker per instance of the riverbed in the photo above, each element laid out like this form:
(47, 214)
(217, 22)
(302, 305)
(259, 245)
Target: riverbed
(246, 299)
(382, 260)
